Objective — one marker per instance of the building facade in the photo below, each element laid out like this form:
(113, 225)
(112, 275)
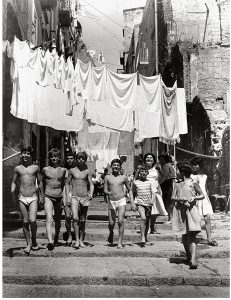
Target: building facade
(44, 23)
(194, 49)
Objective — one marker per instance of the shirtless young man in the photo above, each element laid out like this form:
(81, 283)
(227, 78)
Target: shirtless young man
(114, 189)
(54, 181)
(77, 185)
(70, 163)
(27, 174)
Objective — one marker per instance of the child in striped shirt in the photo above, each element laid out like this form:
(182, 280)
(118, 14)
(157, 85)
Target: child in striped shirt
(144, 193)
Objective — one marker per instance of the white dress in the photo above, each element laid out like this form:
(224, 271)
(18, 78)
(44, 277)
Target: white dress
(158, 207)
(204, 205)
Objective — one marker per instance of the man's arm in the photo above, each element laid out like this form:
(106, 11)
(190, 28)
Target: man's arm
(39, 177)
(105, 189)
(13, 184)
(91, 185)
(68, 187)
(131, 195)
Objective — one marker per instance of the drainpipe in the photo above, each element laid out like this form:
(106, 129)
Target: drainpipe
(206, 20)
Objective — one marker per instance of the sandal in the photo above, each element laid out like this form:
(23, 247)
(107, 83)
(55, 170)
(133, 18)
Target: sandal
(212, 243)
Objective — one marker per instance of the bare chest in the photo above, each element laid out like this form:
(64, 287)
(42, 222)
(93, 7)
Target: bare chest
(54, 173)
(77, 174)
(27, 172)
(116, 181)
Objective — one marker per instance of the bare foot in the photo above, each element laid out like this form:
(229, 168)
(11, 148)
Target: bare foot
(76, 246)
(110, 238)
(120, 246)
(193, 265)
(27, 249)
(81, 244)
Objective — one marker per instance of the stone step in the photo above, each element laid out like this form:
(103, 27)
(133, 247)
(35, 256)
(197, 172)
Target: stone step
(113, 291)
(93, 233)
(129, 271)
(164, 249)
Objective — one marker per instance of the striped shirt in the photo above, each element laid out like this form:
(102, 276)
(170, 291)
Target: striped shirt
(143, 192)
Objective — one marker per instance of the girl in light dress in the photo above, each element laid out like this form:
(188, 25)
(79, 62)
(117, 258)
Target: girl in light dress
(186, 216)
(158, 207)
(204, 206)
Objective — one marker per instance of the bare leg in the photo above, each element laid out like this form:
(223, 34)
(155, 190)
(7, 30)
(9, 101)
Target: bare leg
(193, 249)
(49, 218)
(75, 213)
(25, 225)
(57, 218)
(208, 227)
(186, 243)
(152, 223)
(83, 217)
(121, 213)
(111, 225)
(148, 215)
(143, 221)
(32, 219)
(67, 210)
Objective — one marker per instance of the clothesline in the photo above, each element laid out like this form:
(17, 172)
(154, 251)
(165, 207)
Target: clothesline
(49, 91)
(199, 154)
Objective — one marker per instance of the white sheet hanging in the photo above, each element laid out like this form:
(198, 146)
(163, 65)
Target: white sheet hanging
(84, 79)
(99, 77)
(169, 125)
(99, 140)
(100, 113)
(148, 107)
(181, 111)
(121, 89)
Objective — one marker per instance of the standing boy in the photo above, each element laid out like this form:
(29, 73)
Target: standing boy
(205, 207)
(144, 193)
(114, 191)
(27, 174)
(54, 181)
(79, 178)
(70, 163)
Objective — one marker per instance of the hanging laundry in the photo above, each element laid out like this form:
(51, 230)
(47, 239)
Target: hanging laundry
(169, 125)
(99, 76)
(99, 140)
(84, 79)
(126, 143)
(100, 113)
(148, 107)
(121, 89)
(181, 111)
(59, 66)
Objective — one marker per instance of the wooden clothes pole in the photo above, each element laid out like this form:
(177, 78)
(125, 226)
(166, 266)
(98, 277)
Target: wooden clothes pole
(156, 37)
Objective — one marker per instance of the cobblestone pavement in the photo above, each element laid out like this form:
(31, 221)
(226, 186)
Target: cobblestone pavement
(158, 270)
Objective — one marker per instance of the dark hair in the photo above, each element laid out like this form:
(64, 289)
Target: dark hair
(70, 153)
(185, 169)
(54, 151)
(197, 161)
(143, 167)
(166, 158)
(82, 154)
(116, 160)
(27, 149)
(153, 156)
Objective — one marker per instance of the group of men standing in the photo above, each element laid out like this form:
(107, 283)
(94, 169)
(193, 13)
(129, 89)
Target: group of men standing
(54, 187)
